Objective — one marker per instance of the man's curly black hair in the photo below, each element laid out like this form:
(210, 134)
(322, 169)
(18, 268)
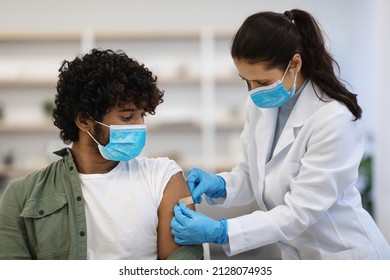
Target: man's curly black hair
(98, 81)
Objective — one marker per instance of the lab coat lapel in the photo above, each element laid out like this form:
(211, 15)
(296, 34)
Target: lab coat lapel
(264, 133)
(265, 130)
(304, 107)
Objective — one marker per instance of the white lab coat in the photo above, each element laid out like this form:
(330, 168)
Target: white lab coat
(306, 190)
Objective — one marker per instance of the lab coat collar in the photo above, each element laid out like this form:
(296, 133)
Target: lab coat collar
(303, 109)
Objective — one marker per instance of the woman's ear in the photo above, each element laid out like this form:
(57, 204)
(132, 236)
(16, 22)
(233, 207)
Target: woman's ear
(296, 63)
(83, 122)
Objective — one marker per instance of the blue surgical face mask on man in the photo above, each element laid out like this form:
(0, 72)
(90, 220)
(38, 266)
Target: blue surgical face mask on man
(126, 142)
(274, 95)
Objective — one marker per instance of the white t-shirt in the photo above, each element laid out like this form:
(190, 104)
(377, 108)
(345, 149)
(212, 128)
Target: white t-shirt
(121, 208)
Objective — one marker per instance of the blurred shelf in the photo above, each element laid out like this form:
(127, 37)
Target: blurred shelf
(176, 80)
(39, 127)
(173, 126)
(147, 35)
(154, 126)
(43, 127)
(40, 36)
(25, 81)
(45, 79)
(112, 35)
(42, 81)
(227, 124)
(230, 124)
(11, 171)
(228, 79)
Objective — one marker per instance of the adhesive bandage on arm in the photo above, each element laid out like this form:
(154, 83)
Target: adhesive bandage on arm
(187, 200)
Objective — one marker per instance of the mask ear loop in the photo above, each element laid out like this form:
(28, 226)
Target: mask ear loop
(295, 79)
(106, 125)
(294, 84)
(93, 138)
(285, 72)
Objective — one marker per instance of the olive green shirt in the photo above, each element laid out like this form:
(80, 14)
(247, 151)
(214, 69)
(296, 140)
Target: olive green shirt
(42, 216)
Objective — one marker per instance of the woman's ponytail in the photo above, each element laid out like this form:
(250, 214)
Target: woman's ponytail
(318, 64)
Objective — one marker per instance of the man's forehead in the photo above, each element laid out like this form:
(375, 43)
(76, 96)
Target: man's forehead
(125, 107)
(128, 108)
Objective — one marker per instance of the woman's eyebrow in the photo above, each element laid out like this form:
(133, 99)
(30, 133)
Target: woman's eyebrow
(258, 81)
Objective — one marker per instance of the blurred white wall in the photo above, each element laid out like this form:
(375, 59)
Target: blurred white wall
(380, 79)
(358, 36)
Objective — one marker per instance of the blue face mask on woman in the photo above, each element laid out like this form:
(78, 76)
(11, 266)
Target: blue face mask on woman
(126, 142)
(274, 95)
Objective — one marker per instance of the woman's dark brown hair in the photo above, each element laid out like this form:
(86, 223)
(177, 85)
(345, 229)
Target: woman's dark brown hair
(274, 38)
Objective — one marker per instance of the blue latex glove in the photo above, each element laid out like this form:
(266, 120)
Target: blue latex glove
(190, 227)
(202, 182)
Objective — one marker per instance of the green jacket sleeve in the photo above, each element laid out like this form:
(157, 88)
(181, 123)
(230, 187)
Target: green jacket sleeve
(187, 253)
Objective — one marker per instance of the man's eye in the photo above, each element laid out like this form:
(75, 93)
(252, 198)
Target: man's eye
(262, 84)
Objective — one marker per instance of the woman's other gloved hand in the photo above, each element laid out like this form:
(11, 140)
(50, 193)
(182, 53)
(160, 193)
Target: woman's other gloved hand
(202, 182)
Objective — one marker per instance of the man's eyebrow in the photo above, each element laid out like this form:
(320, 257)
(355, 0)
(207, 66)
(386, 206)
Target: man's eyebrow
(127, 109)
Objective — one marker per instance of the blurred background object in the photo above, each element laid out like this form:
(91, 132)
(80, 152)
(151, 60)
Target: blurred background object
(186, 44)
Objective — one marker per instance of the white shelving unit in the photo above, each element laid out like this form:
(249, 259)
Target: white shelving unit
(198, 124)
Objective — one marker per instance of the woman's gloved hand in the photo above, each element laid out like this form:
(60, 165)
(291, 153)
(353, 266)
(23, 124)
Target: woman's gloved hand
(190, 227)
(202, 182)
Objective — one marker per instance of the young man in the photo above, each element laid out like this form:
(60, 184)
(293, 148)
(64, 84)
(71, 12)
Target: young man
(100, 201)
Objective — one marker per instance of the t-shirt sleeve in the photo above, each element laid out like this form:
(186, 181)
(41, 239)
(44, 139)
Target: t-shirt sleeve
(161, 170)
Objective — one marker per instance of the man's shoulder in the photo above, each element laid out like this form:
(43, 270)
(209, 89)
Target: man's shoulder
(159, 162)
(35, 179)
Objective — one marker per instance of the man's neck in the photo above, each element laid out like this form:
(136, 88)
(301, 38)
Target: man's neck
(89, 160)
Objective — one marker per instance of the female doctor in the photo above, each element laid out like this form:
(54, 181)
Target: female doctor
(301, 148)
